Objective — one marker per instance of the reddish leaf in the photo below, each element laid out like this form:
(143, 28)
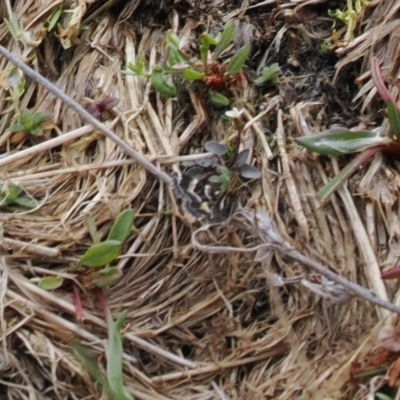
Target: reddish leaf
(393, 273)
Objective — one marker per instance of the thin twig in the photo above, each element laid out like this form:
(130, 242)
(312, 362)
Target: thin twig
(85, 116)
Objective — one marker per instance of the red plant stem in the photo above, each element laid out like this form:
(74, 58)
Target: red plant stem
(102, 299)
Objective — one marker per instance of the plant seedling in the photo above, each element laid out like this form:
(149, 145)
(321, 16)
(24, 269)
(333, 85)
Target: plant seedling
(30, 123)
(101, 110)
(101, 254)
(215, 76)
(342, 141)
(15, 196)
(94, 266)
(112, 382)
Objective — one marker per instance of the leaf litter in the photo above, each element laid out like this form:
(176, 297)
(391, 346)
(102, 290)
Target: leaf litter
(226, 325)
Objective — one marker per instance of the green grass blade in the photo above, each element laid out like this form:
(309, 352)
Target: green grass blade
(92, 366)
(339, 179)
(114, 358)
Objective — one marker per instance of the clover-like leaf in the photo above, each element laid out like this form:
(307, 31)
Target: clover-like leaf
(216, 148)
(122, 226)
(249, 172)
(101, 254)
(340, 141)
(238, 60)
(51, 282)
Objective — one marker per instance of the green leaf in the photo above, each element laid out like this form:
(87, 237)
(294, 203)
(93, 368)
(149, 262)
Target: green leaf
(139, 68)
(122, 226)
(27, 117)
(340, 141)
(371, 372)
(114, 357)
(394, 119)
(238, 60)
(92, 366)
(101, 254)
(383, 396)
(160, 84)
(13, 26)
(11, 194)
(206, 41)
(54, 17)
(17, 128)
(94, 234)
(269, 74)
(192, 75)
(174, 57)
(39, 117)
(218, 99)
(36, 131)
(51, 282)
(350, 168)
(26, 202)
(171, 39)
(225, 39)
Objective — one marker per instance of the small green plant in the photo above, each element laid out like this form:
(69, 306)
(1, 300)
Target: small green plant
(15, 196)
(112, 382)
(268, 74)
(342, 141)
(349, 16)
(216, 76)
(94, 269)
(100, 255)
(30, 123)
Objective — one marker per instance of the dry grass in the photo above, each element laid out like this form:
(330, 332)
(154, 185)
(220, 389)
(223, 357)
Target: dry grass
(199, 325)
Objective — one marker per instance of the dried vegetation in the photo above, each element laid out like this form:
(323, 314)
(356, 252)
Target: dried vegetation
(199, 324)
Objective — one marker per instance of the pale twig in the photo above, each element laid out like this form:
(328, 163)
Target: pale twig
(85, 116)
(261, 226)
